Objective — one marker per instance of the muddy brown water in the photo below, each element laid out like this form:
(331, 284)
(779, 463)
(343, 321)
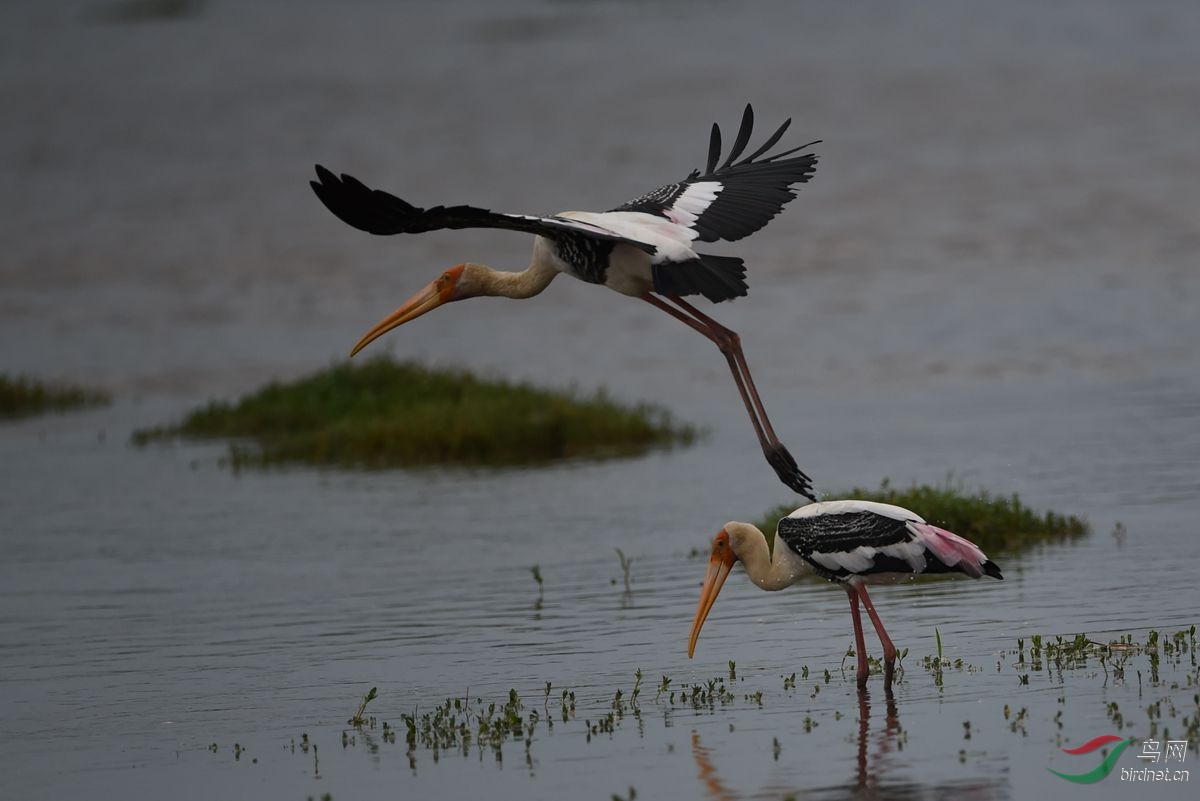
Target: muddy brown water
(992, 277)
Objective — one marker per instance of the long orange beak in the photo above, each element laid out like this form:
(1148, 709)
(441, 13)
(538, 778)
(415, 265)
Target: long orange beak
(439, 292)
(719, 565)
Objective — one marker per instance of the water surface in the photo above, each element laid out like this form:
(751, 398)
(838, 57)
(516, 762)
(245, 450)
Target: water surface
(992, 277)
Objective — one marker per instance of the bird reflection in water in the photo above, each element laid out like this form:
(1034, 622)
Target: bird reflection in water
(877, 774)
(708, 772)
(866, 779)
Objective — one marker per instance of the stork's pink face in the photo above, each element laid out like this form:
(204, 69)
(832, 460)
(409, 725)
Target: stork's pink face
(443, 290)
(719, 564)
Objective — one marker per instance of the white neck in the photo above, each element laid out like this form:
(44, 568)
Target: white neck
(768, 571)
(498, 283)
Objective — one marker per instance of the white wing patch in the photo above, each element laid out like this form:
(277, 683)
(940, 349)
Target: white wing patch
(843, 507)
(911, 551)
(693, 202)
(671, 240)
(563, 221)
(857, 561)
(862, 559)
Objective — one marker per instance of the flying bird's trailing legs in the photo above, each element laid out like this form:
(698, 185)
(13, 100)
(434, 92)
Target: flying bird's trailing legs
(730, 344)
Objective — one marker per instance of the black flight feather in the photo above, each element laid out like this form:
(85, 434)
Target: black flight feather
(748, 193)
(381, 213)
(743, 137)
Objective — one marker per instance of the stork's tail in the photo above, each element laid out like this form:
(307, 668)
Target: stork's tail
(717, 278)
(954, 552)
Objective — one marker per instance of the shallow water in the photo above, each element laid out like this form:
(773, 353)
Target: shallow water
(992, 277)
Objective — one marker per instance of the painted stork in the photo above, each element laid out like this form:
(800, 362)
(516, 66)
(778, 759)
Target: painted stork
(643, 249)
(850, 543)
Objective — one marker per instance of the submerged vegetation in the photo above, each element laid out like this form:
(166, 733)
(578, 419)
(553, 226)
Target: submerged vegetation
(1153, 673)
(359, 718)
(996, 524)
(24, 396)
(384, 413)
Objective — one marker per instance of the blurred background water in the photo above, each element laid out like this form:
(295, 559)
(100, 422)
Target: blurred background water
(991, 277)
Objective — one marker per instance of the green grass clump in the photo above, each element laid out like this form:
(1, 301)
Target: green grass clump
(383, 413)
(995, 524)
(23, 396)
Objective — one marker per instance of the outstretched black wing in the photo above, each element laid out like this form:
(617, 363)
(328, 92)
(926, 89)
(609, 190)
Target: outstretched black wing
(738, 198)
(378, 212)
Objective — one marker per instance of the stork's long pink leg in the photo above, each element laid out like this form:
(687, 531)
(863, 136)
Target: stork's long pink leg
(778, 456)
(889, 650)
(859, 645)
(735, 345)
(707, 331)
(728, 342)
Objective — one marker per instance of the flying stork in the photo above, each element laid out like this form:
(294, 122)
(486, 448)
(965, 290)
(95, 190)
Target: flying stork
(643, 249)
(850, 543)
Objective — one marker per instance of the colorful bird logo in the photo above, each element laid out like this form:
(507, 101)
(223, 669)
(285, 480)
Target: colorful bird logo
(1104, 768)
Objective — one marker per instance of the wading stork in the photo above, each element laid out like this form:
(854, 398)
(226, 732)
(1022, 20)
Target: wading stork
(850, 543)
(643, 249)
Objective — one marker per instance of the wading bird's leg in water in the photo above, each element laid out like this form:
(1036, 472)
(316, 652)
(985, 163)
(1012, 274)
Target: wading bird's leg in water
(729, 343)
(889, 650)
(859, 645)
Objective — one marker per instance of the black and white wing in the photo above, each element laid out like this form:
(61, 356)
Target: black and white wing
(737, 198)
(844, 540)
(378, 212)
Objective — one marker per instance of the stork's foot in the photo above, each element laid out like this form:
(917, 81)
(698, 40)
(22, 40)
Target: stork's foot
(788, 471)
(889, 655)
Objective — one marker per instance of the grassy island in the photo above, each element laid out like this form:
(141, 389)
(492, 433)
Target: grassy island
(24, 396)
(996, 524)
(382, 413)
